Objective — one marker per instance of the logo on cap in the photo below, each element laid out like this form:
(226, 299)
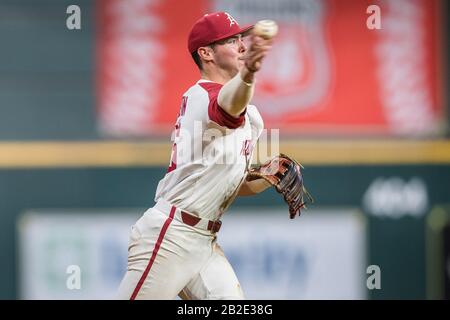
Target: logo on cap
(232, 20)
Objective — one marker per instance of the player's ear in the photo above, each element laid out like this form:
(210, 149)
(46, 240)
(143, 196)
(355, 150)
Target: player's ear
(206, 53)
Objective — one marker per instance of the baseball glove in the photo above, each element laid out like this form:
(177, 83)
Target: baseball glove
(285, 174)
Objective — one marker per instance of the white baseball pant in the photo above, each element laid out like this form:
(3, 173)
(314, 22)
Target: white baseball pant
(167, 257)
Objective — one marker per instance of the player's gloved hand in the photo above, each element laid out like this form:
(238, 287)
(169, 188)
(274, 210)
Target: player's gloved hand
(285, 175)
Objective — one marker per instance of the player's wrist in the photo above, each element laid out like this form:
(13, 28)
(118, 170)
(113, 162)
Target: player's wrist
(247, 77)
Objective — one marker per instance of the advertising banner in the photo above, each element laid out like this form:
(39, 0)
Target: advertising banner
(336, 66)
(321, 255)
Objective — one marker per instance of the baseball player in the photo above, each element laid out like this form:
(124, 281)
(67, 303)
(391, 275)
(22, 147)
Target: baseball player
(173, 247)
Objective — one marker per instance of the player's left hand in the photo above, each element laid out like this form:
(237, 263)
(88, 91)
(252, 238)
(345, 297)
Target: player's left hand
(285, 175)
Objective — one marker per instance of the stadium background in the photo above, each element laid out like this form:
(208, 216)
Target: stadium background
(59, 156)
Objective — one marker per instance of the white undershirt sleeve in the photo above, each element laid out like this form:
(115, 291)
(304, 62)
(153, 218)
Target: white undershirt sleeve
(235, 95)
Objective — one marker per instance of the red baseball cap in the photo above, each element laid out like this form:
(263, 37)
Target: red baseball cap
(213, 27)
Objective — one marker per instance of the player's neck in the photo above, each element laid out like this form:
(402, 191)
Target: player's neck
(218, 75)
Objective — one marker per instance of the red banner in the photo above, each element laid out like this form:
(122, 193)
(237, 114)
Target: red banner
(328, 73)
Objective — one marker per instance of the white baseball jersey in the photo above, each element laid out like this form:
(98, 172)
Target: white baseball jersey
(210, 154)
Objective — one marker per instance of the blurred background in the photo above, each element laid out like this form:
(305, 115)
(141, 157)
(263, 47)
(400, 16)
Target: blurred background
(89, 96)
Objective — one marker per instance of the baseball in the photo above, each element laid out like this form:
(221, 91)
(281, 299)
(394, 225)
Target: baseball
(266, 29)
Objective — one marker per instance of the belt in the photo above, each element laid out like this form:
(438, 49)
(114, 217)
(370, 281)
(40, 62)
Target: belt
(189, 219)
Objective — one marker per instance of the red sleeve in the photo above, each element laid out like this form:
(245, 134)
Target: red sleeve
(215, 112)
